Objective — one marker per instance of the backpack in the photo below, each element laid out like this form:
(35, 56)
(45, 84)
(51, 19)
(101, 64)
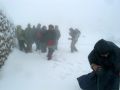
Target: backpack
(77, 34)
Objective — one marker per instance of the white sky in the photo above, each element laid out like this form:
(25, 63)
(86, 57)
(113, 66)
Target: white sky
(102, 15)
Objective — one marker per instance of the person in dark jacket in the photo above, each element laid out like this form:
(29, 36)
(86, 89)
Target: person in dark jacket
(29, 38)
(58, 35)
(34, 33)
(50, 37)
(74, 38)
(38, 36)
(43, 42)
(20, 37)
(105, 63)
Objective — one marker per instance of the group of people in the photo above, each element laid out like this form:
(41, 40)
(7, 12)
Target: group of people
(104, 59)
(43, 37)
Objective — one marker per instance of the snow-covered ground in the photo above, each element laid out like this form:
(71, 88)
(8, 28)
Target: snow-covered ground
(32, 71)
(96, 19)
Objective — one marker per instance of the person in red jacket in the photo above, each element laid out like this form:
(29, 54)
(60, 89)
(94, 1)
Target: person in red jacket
(51, 38)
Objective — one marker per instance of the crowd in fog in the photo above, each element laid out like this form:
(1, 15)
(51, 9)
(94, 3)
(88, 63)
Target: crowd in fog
(44, 37)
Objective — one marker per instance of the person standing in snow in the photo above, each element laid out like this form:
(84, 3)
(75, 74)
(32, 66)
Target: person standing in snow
(50, 37)
(29, 38)
(20, 37)
(105, 63)
(74, 37)
(38, 36)
(43, 39)
(34, 33)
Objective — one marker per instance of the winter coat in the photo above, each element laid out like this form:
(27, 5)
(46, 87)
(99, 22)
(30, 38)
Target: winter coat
(113, 60)
(29, 35)
(91, 82)
(74, 34)
(108, 79)
(38, 33)
(20, 34)
(34, 33)
(43, 36)
(51, 37)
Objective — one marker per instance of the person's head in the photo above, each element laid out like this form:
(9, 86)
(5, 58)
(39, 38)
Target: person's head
(29, 25)
(44, 28)
(51, 27)
(56, 27)
(33, 26)
(71, 29)
(102, 48)
(39, 25)
(18, 26)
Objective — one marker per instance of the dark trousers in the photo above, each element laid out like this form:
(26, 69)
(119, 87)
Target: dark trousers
(29, 47)
(21, 44)
(37, 42)
(73, 47)
(43, 47)
(50, 53)
(106, 80)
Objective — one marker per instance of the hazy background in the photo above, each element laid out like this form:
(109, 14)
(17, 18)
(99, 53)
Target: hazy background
(101, 17)
(95, 18)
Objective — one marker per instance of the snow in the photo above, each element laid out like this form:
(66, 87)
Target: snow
(96, 19)
(32, 71)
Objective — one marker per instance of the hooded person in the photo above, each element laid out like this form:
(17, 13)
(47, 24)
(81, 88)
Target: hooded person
(105, 63)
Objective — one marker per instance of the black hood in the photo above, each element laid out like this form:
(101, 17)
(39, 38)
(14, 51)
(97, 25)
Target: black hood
(102, 47)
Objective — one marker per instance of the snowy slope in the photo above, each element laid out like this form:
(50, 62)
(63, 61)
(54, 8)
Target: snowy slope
(34, 72)
(96, 19)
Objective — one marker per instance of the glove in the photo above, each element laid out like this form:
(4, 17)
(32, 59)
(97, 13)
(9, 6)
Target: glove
(95, 67)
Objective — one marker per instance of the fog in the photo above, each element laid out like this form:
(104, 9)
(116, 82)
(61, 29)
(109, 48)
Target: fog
(100, 16)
